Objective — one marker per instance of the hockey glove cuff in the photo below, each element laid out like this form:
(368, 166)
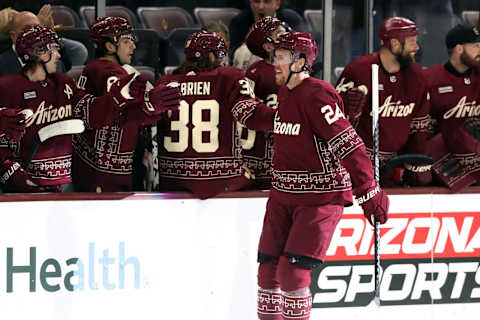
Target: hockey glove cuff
(374, 202)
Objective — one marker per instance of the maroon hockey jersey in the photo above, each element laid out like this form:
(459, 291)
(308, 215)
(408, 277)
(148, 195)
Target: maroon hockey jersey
(52, 100)
(455, 98)
(257, 147)
(200, 148)
(317, 153)
(103, 157)
(403, 106)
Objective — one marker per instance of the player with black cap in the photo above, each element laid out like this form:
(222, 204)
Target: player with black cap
(454, 89)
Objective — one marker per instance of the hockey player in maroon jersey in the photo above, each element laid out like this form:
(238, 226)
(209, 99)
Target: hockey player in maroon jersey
(454, 89)
(103, 157)
(319, 160)
(403, 101)
(46, 97)
(258, 146)
(201, 151)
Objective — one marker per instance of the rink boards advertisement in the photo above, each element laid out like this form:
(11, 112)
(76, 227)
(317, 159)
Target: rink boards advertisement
(153, 257)
(424, 259)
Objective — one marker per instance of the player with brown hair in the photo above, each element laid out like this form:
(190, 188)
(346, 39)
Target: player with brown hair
(103, 157)
(45, 98)
(403, 101)
(319, 161)
(258, 146)
(200, 151)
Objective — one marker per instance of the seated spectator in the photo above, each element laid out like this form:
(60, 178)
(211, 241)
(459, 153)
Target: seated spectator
(6, 20)
(76, 51)
(259, 9)
(73, 52)
(9, 61)
(244, 58)
(220, 28)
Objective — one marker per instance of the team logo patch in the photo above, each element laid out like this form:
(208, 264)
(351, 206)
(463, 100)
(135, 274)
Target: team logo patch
(393, 79)
(29, 95)
(466, 80)
(445, 89)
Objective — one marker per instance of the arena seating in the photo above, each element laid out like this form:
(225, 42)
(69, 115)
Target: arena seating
(66, 17)
(471, 17)
(164, 19)
(205, 15)
(176, 39)
(87, 13)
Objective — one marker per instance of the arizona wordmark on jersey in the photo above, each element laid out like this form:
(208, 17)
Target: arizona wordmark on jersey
(463, 109)
(395, 109)
(44, 115)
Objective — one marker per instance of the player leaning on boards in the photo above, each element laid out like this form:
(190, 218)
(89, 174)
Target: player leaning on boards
(200, 148)
(454, 89)
(403, 100)
(318, 159)
(103, 157)
(47, 97)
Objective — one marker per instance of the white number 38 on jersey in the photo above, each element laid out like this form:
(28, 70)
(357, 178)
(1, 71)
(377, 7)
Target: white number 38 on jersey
(330, 115)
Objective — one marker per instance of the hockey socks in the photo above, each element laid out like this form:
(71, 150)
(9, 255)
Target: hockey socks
(269, 304)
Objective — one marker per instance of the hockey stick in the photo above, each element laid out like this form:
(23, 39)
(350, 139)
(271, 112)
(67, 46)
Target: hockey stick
(376, 166)
(408, 158)
(71, 126)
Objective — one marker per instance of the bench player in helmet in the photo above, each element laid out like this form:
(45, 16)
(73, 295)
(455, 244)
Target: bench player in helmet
(318, 160)
(258, 146)
(42, 97)
(103, 157)
(454, 89)
(201, 151)
(403, 102)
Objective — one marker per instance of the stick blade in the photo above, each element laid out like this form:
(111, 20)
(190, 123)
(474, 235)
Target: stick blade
(71, 126)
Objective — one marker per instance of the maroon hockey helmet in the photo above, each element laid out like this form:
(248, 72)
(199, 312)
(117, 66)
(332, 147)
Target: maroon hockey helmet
(34, 41)
(260, 33)
(200, 44)
(109, 29)
(397, 28)
(300, 43)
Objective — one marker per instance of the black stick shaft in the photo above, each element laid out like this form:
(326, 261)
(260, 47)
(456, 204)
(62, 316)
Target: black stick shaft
(376, 165)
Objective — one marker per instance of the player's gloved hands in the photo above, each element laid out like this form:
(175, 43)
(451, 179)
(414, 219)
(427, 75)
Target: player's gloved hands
(134, 114)
(162, 98)
(472, 126)
(14, 179)
(120, 91)
(374, 202)
(12, 123)
(354, 100)
(149, 105)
